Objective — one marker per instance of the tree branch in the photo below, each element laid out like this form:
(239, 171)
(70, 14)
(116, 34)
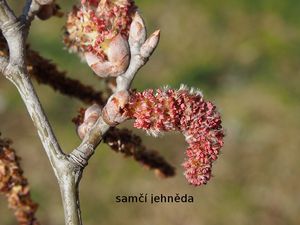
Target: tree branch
(28, 94)
(92, 139)
(138, 60)
(140, 51)
(46, 72)
(120, 140)
(11, 28)
(67, 168)
(69, 182)
(140, 48)
(66, 172)
(7, 16)
(14, 70)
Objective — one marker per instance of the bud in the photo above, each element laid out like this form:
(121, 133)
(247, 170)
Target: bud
(118, 57)
(99, 31)
(91, 115)
(138, 33)
(113, 111)
(149, 46)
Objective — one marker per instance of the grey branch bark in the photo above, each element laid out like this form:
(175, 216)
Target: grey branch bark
(6, 14)
(92, 139)
(14, 69)
(67, 168)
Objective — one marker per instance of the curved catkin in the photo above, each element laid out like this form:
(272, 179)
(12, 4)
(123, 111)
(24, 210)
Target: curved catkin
(186, 111)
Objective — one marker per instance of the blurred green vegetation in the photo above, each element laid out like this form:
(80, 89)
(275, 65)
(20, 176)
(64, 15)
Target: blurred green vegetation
(245, 56)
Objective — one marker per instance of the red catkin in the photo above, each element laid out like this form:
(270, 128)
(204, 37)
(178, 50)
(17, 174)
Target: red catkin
(186, 111)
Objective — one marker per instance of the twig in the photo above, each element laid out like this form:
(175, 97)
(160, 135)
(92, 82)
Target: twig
(125, 142)
(120, 140)
(139, 57)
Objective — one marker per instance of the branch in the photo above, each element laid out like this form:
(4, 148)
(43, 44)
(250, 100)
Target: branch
(14, 69)
(140, 51)
(68, 168)
(46, 72)
(22, 82)
(119, 140)
(67, 173)
(7, 16)
(125, 142)
(11, 28)
(92, 139)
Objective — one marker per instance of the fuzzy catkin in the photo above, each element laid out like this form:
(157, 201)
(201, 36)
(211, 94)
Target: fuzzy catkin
(186, 111)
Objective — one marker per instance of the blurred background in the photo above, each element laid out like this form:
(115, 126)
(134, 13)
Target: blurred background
(245, 57)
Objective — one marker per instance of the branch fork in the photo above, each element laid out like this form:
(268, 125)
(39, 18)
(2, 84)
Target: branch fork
(68, 168)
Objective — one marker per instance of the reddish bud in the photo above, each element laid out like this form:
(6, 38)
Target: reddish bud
(113, 111)
(118, 56)
(91, 115)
